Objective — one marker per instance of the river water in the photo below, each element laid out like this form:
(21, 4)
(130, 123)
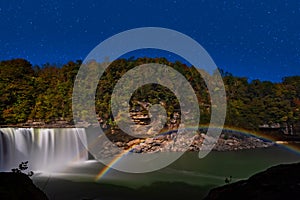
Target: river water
(69, 180)
(78, 181)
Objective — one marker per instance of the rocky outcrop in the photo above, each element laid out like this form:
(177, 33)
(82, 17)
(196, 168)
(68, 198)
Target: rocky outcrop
(234, 143)
(19, 186)
(279, 182)
(163, 143)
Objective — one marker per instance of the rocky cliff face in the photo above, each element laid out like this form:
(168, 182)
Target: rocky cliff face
(279, 182)
(17, 186)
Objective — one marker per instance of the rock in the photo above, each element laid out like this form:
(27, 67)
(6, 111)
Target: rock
(279, 182)
(134, 142)
(149, 141)
(137, 149)
(120, 144)
(233, 142)
(19, 186)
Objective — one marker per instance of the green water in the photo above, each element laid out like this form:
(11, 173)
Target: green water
(207, 173)
(211, 170)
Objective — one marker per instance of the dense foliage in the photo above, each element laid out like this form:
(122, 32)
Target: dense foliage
(45, 94)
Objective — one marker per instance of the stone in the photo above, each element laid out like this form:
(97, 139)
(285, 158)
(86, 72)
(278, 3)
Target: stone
(19, 186)
(120, 144)
(273, 183)
(149, 141)
(134, 142)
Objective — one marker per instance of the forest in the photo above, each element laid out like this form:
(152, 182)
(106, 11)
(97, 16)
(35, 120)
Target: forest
(44, 93)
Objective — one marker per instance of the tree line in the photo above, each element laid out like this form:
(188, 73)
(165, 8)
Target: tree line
(44, 93)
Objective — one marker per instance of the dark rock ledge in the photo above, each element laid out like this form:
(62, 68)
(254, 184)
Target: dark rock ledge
(278, 182)
(19, 186)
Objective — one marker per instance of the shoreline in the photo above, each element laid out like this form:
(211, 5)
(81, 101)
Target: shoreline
(161, 143)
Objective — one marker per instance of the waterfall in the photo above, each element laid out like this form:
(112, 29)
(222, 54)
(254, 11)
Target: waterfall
(45, 149)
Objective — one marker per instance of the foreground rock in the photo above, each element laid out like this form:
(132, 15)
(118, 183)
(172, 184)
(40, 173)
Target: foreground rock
(279, 182)
(19, 186)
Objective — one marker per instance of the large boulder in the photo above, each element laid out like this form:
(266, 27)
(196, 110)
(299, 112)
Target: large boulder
(19, 186)
(278, 182)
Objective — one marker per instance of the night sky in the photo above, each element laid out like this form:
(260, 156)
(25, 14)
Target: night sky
(247, 38)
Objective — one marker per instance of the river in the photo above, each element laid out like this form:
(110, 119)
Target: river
(78, 181)
(45, 148)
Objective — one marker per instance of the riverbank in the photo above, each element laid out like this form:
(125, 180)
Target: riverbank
(278, 182)
(228, 141)
(170, 142)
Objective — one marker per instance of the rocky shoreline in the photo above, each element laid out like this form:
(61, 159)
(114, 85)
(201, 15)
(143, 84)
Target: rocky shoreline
(162, 143)
(165, 143)
(234, 143)
(278, 182)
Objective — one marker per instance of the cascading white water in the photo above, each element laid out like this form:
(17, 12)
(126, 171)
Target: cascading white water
(45, 149)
